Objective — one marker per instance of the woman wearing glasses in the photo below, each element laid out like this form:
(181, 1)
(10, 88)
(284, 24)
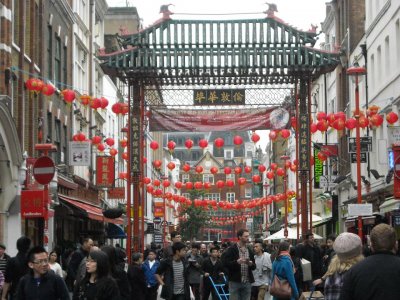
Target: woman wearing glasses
(97, 283)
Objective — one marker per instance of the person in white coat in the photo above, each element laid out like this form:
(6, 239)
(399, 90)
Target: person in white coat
(54, 265)
(262, 273)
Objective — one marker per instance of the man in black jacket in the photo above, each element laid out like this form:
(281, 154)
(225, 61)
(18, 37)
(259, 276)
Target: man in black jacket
(212, 267)
(172, 275)
(76, 259)
(41, 283)
(377, 276)
(311, 252)
(239, 261)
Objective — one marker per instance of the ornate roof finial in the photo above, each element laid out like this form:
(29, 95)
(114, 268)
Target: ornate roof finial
(313, 28)
(272, 8)
(164, 9)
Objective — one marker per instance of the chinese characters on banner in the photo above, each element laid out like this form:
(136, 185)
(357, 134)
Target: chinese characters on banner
(135, 163)
(219, 97)
(105, 171)
(304, 142)
(33, 203)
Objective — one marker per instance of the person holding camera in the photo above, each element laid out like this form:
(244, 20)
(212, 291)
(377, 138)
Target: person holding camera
(262, 273)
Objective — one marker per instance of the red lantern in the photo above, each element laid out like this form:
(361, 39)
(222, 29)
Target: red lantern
(247, 169)
(363, 121)
(256, 178)
(116, 108)
(287, 164)
(69, 95)
(113, 151)
(322, 126)
(313, 128)
(293, 123)
(124, 108)
(85, 99)
(166, 183)
(214, 170)
(103, 103)
(285, 133)
(372, 110)
(125, 156)
(178, 185)
(203, 143)
(189, 144)
(144, 160)
(110, 141)
(123, 175)
(101, 147)
(96, 140)
(48, 89)
(392, 118)
(186, 168)
(237, 140)
(376, 120)
(237, 170)
(154, 145)
(262, 168)
(273, 166)
(273, 135)
(229, 183)
(171, 146)
(95, 103)
(270, 175)
(149, 189)
(227, 170)
(199, 169)
(189, 185)
(280, 172)
(156, 182)
(198, 185)
(255, 137)
(146, 180)
(331, 118)
(219, 142)
(242, 181)
(339, 124)
(207, 185)
(351, 123)
(321, 116)
(157, 164)
(171, 166)
(123, 143)
(220, 184)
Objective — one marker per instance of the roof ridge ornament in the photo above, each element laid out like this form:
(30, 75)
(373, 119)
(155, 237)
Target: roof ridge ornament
(164, 9)
(272, 8)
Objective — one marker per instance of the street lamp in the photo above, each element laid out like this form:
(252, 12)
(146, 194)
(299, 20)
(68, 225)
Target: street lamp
(354, 72)
(285, 158)
(266, 219)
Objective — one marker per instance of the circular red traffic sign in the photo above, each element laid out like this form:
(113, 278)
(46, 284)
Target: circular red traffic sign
(43, 170)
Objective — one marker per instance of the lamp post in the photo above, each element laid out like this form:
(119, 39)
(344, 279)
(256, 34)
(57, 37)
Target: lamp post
(354, 72)
(285, 158)
(266, 186)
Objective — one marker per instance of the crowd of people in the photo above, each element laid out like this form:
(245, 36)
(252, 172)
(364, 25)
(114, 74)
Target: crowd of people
(243, 270)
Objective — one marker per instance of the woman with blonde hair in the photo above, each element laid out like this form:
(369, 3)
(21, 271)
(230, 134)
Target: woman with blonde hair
(348, 249)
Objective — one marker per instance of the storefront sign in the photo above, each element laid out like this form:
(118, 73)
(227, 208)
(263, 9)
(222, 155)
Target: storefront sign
(219, 97)
(116, 193)
(304, 142)
(158, 211)
(105, 171)
(33, 203)
(394, 135)
(318, 167)
(356, 210)
(79, 153)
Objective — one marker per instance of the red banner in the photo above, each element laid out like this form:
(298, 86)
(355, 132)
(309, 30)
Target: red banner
(158, 211)
(33, 203)
(396, 183)
(217, 119)
(105, 171)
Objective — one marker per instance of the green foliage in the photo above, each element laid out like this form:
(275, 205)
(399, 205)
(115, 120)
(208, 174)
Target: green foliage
(195, 218)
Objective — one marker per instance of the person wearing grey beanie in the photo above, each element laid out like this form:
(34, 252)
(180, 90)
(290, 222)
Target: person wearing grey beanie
(347, 247)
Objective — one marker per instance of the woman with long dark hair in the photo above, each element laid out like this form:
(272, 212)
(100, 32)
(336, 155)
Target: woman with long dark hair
(283, 267)
(97, 283)
(117, 272)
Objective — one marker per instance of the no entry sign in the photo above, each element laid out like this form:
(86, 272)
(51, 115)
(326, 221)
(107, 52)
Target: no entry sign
(43, 170)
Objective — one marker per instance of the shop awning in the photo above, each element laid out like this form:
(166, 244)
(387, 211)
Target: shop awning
(322, 222)
(389, 205)
(115, 232)
(91, 211)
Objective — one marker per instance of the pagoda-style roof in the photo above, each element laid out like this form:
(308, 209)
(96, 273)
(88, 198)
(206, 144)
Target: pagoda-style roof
(187, 52)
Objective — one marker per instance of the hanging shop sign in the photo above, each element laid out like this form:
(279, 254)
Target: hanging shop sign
(116, 193)
(105, 171)
(135, 136)
(304, 142)
(33, 203)
(217, 119)
(79, 153)
(396, 177)
(158, 211)
(219, 97)
(318, 167)
(393, 135)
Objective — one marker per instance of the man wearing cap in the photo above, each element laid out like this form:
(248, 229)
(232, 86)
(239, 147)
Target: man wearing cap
(377, 276)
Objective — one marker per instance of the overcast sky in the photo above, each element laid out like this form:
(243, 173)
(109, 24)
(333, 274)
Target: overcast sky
(295, 12)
